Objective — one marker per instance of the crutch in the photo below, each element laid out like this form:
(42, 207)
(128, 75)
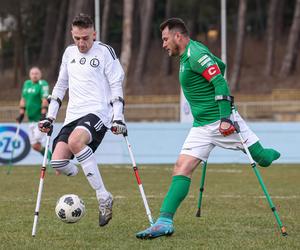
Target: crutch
(15, 139)
(257, 173)
(136, 172)
(42, 177)
(204, 164)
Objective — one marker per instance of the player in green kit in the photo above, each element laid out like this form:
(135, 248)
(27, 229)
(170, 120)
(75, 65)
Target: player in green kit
(34, 104)
(201, 77)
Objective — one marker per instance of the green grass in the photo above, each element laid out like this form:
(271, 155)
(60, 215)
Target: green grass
(235, 214)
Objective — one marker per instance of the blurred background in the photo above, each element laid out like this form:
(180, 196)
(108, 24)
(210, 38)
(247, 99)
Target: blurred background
(263, 43)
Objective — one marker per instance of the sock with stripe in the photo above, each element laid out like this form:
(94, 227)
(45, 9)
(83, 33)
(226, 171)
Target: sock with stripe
(65, 166)
(89, 166)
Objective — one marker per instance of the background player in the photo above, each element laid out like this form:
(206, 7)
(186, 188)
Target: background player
(34, 104)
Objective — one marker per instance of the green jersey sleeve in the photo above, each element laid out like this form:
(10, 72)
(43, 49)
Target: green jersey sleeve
(44, 89)
(208, 67)
(23, 95)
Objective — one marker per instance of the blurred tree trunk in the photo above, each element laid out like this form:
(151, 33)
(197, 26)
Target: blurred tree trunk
(19, 67)
(75, 8)
(167, 61)
(279, 18)
(259, 19)
(192, 18)
(146, 14)
(240, 37)
(105, 21)
(58, 41)
(290, 58)
(127, 37)
(50, 26)
(271, 36)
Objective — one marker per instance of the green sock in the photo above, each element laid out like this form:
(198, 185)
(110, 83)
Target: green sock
(42, 152)
(178, 190)
(263, 156)
(49, 155)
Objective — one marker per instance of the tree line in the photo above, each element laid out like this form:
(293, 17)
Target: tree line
(39, 31)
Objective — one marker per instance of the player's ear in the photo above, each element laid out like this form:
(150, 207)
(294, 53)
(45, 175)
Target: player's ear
(177, 35)
(94, 35)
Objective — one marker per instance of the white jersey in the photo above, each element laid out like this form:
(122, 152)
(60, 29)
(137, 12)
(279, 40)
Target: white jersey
(93, 78)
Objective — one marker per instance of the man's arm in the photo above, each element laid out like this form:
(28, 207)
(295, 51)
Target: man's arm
(58, 93)
(44, 96)
(44, 108)
(115, 76)
(208, 68)
(224, 100)
(59, 89)
(21, 110)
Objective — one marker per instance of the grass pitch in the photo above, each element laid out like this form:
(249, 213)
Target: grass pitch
(235, 213)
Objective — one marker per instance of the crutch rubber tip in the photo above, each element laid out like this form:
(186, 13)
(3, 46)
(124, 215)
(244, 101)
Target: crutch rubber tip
(284, 232)
(198, 214)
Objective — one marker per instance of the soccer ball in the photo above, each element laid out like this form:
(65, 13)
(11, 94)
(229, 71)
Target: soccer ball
(70, 208)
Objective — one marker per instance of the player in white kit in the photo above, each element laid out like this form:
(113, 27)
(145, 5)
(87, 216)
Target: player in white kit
(94, 76)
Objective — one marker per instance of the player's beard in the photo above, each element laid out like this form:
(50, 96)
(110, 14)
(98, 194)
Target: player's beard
(174, 51)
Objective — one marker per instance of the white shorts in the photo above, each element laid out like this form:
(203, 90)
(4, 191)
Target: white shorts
(35, 135)
(201, 140)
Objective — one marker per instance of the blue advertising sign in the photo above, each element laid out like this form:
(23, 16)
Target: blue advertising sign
(14, 144)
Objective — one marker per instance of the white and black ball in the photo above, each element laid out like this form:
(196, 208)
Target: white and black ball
(70, 208)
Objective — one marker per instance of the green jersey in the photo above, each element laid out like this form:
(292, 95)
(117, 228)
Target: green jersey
(33, 93)
(201, 78)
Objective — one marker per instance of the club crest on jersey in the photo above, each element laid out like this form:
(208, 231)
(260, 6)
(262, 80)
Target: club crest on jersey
(82, 60)
(211, 72)
(94, 62)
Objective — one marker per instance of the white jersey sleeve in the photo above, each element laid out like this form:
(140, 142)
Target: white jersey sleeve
(60, 87)
(115, 76)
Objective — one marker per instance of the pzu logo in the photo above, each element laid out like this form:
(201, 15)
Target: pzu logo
(13, 146)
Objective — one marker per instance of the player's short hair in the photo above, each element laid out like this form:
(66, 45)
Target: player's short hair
(35, 67)
(175, 23)
(83, 21)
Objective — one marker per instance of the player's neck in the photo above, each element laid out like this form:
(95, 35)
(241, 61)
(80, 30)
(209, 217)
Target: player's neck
(184, 43)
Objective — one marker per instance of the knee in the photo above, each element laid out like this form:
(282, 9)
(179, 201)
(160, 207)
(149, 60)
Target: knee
(75, 144)
(185, 165)
(180, 168)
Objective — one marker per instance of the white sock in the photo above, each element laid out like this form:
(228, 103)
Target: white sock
(90, 168)
(65, 166)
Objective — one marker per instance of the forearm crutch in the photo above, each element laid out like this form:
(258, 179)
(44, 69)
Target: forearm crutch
(257, 173)
(13, 148)
(42, 177)
(198, 214)
(136, 172)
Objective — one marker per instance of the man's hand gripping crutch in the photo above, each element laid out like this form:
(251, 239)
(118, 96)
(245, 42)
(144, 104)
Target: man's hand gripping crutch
(119, 127)
(235, 124)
